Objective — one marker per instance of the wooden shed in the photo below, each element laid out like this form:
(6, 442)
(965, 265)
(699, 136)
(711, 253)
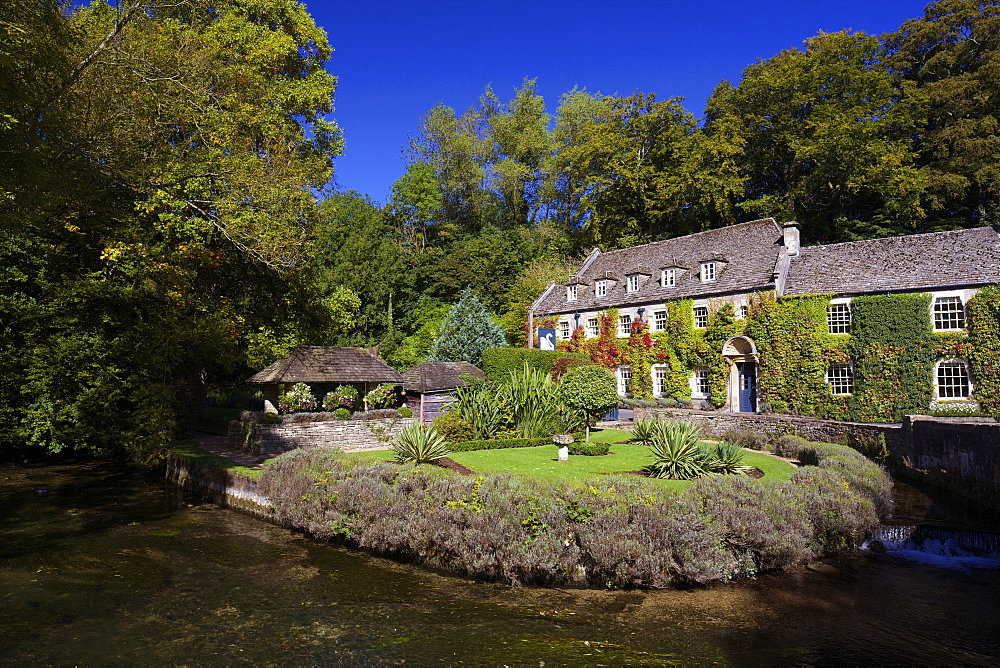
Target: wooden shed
(429, 385)
(323, 368)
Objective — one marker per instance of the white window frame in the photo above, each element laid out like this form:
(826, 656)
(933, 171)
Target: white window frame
(601, 288)
(565, 330)
(593, 327)
(624, 325)
(700, 388)
(659, 321)
(700, 316)
(708, 272)
(952, 364)
(947, 314)
(659, 374)
(571, 293)
(840, 377)
(632, 284)
(668, 278)
(836, 323)
(624, 380)
(742, 311)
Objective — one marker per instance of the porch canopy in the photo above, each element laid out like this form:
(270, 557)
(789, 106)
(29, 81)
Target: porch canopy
(326, 365)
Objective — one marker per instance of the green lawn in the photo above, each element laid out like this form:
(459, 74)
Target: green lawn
(542, 461)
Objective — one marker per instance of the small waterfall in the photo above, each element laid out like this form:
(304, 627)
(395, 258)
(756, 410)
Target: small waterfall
(938, 545)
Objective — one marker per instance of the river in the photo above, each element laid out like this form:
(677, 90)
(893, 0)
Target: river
(101, 564)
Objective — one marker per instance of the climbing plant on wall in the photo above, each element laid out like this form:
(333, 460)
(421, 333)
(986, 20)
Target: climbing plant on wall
(982, 349)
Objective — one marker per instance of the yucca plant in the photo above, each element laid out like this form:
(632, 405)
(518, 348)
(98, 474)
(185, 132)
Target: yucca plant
(419, 444)
(677, 453)
(644, 431)
(726, 458)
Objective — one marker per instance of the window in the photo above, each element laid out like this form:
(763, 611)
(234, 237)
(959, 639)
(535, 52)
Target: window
(949, 313)
(668, 278)
(699, 384)
(841, 379)
(838, 319)
(742, 311)
(571, 293)
(952, 380)
(624, 325)
(707, 272)
(593, 328)
(700, 317)
(660, 381)
(624, 380)
(601, 289)
(660, 321)
(633, 283)
(564, 332)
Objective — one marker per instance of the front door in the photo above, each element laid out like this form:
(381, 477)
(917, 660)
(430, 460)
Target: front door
(748, 386)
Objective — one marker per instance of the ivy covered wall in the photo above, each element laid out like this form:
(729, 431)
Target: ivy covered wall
(892, 348)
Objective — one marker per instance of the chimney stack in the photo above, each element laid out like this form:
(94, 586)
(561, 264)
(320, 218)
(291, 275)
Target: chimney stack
(790, 231)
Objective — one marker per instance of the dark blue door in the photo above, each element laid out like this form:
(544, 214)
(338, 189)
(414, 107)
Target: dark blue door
(748, 387)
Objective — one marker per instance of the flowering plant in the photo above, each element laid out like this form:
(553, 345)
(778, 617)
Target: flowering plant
(381, 397)
(343, 397)
(298, 398)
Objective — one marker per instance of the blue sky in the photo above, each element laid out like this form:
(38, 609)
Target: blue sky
(395, 59)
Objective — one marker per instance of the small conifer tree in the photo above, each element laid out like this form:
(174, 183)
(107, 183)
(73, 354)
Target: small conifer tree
(466, 332)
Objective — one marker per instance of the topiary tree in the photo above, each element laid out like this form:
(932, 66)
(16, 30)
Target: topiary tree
(590, 391)
(466, 332)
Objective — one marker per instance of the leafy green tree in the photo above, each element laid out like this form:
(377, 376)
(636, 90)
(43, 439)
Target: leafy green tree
(826, 135)
(952, 55)
(589, 390)
(466, 332)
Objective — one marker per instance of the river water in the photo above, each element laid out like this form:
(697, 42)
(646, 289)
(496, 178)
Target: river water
(100, 564)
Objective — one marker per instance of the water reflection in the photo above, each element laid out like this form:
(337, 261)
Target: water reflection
(111, 566)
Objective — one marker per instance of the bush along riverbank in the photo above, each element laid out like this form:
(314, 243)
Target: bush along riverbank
(613, 531)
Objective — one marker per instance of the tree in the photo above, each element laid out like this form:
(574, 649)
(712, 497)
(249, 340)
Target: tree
(952, 55)
(466, 332)
(589, 390)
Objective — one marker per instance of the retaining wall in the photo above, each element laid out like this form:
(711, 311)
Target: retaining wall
(224, 487)
(269, 440)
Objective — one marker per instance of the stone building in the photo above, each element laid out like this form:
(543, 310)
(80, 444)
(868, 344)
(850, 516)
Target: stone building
(741, 263)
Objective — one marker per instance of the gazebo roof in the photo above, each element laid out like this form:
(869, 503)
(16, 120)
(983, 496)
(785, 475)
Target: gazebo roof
(328, 364)
(436, 376)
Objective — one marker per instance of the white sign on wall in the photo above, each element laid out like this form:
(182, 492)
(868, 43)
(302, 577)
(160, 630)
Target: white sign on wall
(546, 339)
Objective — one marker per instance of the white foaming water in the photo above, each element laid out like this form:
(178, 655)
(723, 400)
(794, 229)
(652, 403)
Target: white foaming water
(944, 548)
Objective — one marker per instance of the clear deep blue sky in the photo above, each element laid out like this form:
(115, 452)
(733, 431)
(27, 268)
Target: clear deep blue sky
(395, 59)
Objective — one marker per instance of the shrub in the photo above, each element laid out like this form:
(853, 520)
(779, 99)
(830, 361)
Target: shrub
(419, 445)
(502, 443)
(746, 438)
(499, 362)
(841, 517)
(589, 449)
(788, 445)
(676, 452)
(298, 398)
(382, 396)
(343, 397)
(270, 418)
(563, 364)
(643, 431)
(725, 458)
(405, 412)
(342, 414)
(811, 454)
(452, 427)
(589, 390)
(667, 402)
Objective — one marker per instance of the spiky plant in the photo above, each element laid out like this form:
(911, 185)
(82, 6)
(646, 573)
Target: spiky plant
(420, 445)
(726, 458)
(677, 453)
(644, 431)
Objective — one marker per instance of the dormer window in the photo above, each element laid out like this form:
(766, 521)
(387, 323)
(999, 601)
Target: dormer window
(707, 272)
(668, 278)
(601, 288)
(571, 293)
(633, 283)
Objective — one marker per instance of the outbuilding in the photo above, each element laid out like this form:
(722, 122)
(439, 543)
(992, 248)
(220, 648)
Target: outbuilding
(431, 385)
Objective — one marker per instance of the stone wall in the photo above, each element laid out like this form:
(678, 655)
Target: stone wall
(269, 440)
(717, 423)
(227, 488)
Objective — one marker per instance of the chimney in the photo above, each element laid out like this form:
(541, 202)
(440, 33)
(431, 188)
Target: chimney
(790, 231)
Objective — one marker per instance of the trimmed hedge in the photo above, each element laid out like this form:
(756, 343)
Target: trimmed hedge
(589, 449)
(498, 362)
(502, 443)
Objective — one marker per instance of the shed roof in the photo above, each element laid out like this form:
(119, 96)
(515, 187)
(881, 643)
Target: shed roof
(436, 376)
(328, 364)
(915, 262)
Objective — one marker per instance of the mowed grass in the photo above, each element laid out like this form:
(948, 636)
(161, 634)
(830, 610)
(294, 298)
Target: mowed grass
(543, 462)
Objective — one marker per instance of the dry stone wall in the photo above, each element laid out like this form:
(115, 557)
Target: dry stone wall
(269, 440)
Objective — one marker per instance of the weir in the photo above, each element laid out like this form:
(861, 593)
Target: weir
(940, 541)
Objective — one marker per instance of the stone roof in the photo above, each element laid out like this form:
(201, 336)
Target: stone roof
(328, 364)
(913, 262)
(747, 251)
(436, 376)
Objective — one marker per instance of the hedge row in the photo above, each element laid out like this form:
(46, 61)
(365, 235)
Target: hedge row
(502, 443)
(499, 362)
(608, 531)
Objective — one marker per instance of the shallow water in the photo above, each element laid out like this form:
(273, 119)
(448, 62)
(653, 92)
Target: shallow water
(112, 566)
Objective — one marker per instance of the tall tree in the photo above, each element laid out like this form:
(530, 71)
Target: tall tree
(952, 55)
(466, 332)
